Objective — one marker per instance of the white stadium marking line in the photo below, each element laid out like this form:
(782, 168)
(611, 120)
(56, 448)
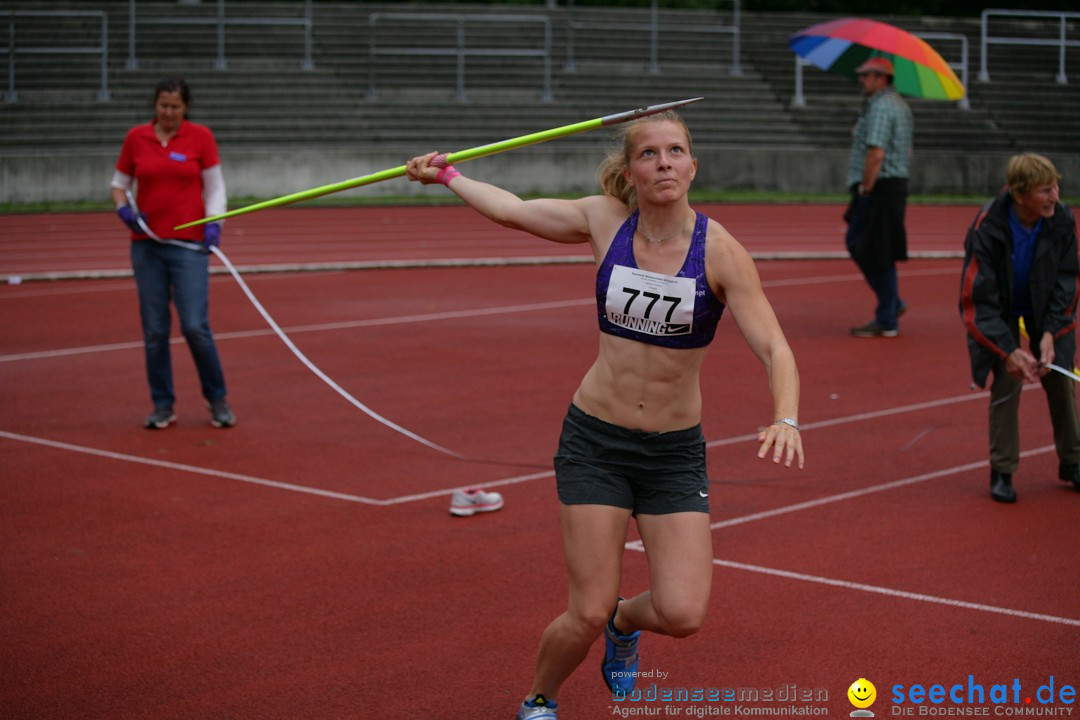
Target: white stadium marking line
(70, 447)
(638, 546)
(425, 317)
(182, 467)
(901, 594)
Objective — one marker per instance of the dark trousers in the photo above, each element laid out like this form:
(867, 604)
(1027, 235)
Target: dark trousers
(876, 238)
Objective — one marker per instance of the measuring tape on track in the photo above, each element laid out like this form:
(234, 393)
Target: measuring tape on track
(203, 248)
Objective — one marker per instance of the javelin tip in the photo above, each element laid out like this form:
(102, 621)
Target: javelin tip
(646, 111)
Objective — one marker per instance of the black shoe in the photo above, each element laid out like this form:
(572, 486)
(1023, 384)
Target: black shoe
(1070, 473)
(1001, 488)
(873, 329)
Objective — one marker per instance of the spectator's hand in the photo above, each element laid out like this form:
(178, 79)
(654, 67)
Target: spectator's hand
(212, 235)
(1046, 353)
(127, 215)
(1022, 365)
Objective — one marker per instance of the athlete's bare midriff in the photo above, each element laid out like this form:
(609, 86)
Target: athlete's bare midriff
(642, 387)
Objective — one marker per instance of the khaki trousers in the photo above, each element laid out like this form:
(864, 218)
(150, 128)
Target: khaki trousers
(1005, 423)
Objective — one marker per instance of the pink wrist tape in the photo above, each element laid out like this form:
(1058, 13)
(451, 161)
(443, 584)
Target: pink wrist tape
(447, 173)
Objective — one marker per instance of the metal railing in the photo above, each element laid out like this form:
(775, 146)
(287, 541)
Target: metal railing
(1060, 42)
(221, 21)
(654, 28)
(961, 67)
(459, 51)
(12, 50)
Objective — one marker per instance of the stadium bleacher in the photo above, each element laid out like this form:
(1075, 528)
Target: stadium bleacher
(282, 127)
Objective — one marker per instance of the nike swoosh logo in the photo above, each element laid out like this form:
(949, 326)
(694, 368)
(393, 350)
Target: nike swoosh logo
(702, 493)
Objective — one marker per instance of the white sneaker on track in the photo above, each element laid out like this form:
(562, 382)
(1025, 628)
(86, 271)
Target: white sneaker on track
(474, 500)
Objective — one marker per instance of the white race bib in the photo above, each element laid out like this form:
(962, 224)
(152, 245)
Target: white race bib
(649, 302)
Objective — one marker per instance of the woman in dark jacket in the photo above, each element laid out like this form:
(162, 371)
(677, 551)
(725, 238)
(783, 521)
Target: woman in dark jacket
(1021, 264)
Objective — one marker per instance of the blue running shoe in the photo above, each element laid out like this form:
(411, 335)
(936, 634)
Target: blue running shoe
(539, 708)
(620, 658)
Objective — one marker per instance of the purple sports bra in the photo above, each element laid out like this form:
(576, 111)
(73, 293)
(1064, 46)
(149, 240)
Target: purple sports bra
(677, 311)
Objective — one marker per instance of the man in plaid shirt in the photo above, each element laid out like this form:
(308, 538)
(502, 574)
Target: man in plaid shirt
(878, 181)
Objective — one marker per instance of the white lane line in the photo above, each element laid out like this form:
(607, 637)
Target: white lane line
(39, 272)
(123, 457)
(852, 494)
(738, 439)
(638, 546)
(902, 594)
(293, 487)
(425, 317)
(870, 415)
(373, 322)
(632, 546)
(446, 491)
(63, 352)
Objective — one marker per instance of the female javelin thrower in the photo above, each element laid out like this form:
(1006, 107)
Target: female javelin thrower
(632, 443)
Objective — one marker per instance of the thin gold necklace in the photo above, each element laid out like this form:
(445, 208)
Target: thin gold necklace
(657, 241)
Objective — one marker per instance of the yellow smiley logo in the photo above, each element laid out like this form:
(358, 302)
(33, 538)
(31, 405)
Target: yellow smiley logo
(862, 693)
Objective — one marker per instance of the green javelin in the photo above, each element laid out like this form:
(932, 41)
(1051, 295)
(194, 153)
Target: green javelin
(461, 156)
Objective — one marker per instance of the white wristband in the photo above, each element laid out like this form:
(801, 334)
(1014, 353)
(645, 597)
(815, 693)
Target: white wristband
(786, 421)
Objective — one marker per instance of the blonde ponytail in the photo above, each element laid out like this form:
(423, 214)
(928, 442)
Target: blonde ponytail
(612, 179)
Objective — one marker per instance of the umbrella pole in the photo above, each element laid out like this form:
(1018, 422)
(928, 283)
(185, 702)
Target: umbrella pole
(799, 101)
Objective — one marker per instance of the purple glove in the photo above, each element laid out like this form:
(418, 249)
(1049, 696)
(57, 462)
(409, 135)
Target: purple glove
(212, 235)
(127, 215)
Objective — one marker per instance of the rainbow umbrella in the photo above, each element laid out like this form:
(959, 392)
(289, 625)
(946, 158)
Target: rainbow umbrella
(840, 46)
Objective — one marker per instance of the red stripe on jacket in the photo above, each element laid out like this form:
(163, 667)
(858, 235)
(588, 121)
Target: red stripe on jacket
(969, 306)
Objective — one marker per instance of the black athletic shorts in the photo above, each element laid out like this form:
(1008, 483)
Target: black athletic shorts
(652, 473)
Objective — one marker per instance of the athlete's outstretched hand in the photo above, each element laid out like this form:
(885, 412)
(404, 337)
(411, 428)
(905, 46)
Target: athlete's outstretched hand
(785, 441)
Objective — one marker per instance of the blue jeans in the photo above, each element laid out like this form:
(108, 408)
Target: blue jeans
(164, 272)
(883, 282)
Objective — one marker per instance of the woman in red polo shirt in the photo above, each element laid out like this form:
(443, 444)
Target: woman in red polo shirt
(174, 166)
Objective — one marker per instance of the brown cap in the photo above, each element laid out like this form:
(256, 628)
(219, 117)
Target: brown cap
(876, 64)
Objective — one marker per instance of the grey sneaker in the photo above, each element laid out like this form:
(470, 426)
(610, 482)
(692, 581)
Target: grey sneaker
(221, 415)
(160, 419)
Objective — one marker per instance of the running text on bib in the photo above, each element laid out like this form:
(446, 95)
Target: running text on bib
(649, 302)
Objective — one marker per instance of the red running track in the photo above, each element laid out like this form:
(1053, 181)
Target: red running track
(303, 564)
(66, 242)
